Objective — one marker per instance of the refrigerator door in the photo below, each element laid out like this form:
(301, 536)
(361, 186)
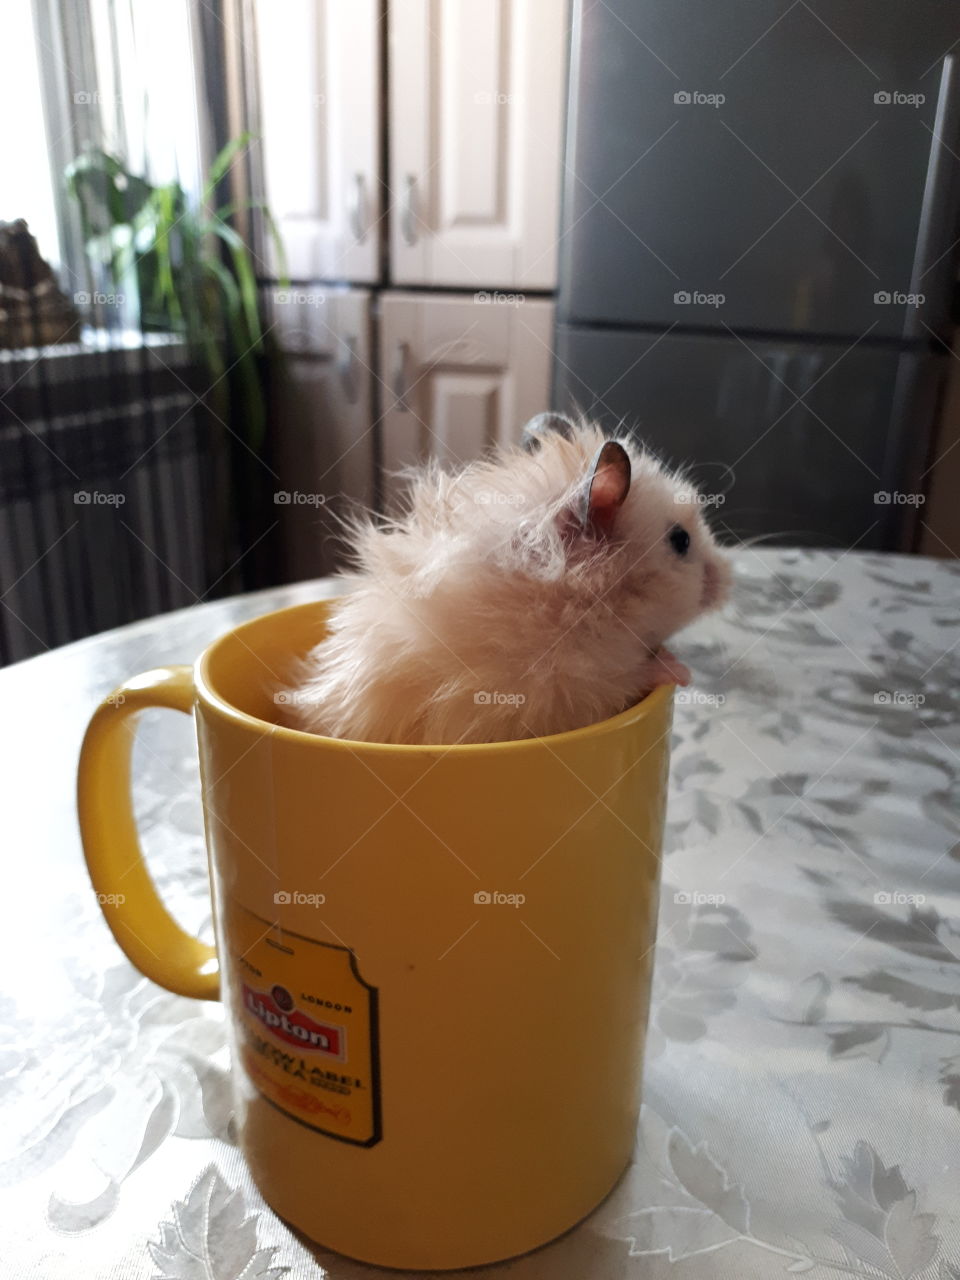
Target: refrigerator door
(801, 443)
(784, 168)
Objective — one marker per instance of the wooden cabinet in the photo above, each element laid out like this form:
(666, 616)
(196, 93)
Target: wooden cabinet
(326, 409)
(476, 110)
(319, 90)
(458, 376)
(467, 177)
(476, 106)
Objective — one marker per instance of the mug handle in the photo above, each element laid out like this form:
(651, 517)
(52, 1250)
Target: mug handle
(139, 921)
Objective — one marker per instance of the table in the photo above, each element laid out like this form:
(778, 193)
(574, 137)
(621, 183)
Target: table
(802, 1083)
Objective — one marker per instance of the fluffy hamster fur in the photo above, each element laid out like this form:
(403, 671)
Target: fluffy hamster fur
(528, 594)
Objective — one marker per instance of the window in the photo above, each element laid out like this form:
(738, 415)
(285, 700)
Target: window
(26, 181)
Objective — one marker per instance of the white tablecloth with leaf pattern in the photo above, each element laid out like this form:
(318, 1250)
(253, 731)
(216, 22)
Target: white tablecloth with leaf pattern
(802, 1083)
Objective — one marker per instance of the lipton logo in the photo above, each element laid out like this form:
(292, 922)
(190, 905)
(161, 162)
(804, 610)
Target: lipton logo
(293, 1025)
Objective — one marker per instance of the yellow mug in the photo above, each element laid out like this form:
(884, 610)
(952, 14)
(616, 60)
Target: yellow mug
(436, 960)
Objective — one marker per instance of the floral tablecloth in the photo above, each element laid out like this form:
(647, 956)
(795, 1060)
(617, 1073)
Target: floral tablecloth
(802, 1084)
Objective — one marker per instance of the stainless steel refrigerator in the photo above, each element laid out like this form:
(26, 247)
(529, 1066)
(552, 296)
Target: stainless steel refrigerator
(758, 250)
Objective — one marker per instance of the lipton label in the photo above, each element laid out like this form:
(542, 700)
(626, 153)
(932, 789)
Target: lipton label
(306, 1026)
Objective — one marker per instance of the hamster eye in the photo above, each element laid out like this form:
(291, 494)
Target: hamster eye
(679, 539)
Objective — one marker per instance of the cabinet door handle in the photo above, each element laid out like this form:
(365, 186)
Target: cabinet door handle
(408, 210)
(400, 379)
(347, 369)
(357, 211)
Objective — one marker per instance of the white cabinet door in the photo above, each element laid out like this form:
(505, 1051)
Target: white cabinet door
(476, 109)
(458, 377)
(319, 89)
(324, 416)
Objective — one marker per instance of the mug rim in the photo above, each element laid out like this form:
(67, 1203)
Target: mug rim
(649, 705)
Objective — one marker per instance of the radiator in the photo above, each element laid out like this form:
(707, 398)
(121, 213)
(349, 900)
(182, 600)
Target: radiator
(113, 489)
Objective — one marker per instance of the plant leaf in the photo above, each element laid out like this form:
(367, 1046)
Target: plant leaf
(916, 935)
(862, 1245)
(752, 816)
(950, 1077)
(708, 813)
(211, 1238)
(908, 1237)
(677, 1231)
(283, 279)
(852, 1042)
(222, 162)
(707, 1182)
(907, 993)
(692, 763)
(69, 1217)
(818, 1005)
(245, 278)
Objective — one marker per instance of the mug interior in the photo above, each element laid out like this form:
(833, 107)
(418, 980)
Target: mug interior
(248, 666)
(242, 672)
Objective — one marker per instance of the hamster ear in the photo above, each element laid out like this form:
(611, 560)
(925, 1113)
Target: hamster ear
(607, 486)
(545, 424)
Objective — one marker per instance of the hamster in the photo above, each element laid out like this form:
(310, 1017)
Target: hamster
(528, 594)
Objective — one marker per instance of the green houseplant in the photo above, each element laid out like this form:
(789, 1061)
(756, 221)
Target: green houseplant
(190, 269)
